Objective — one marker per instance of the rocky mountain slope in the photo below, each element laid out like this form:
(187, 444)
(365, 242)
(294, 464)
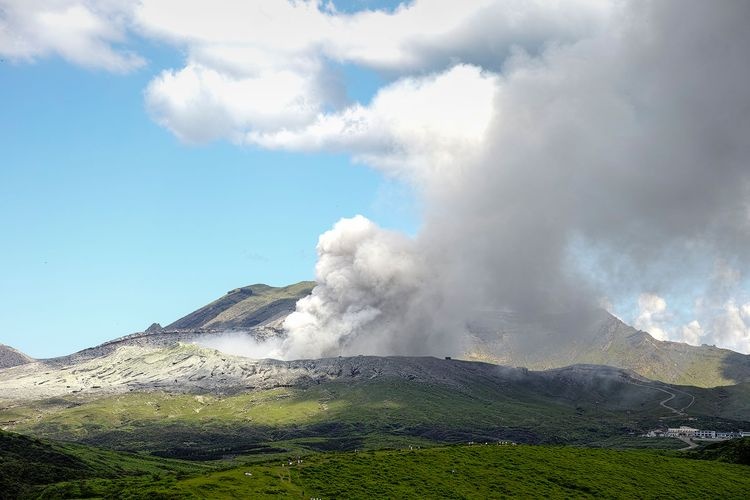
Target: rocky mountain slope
(246, 307)
(11, 357)
(499, 337)
(495, 336)
(188, 401)
(190, 368)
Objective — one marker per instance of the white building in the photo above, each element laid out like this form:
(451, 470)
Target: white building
(681, 431)
(704, 434)
(688, 432)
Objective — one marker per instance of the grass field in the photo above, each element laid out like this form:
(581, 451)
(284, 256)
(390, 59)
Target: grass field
(350, 416)
(340, 416)
(476, 471)
(26, 463)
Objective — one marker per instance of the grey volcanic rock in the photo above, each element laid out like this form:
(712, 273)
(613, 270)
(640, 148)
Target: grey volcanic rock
(154, 328)
(189, 368)
(11, 357)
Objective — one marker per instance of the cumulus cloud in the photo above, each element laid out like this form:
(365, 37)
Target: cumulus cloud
(286, 52)
(82, 32)
(692, 333)
(652, 315)
(726, 325)
(416, 36)
(731, 328)
(198, 103)
(403, 131)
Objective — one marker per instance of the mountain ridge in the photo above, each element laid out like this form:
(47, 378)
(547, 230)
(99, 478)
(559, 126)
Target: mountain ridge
(496, 337)
(10, 357)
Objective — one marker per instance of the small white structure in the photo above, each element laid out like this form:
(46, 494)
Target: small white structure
(688, 432)
(705, 434)
(681, 431)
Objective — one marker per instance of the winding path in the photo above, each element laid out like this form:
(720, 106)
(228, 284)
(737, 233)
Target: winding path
(690, 443)
(680, 412)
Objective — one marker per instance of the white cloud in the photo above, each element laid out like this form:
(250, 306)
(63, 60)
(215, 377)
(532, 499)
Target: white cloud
(199, 103)
(82, 32)
(416, 36)
(692, 333)
(731, 328)
(652, 315)
(262, 71)
(415, 123)
(726, 326)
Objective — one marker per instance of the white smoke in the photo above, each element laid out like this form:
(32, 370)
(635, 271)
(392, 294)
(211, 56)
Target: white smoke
(376, 293)
(629, 148)
(243, 344)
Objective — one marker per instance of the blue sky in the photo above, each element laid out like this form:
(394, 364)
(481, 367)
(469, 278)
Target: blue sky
(159, 153)
(110, 223)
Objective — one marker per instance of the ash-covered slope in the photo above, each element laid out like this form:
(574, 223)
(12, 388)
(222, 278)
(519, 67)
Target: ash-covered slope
(246, 307)
(496, 336)
(189, 368)
(11, 357)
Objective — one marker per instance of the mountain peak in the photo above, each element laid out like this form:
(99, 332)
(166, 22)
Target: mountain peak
(245, 307)
(12, 357)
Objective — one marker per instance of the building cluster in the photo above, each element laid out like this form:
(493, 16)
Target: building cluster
(689, 432)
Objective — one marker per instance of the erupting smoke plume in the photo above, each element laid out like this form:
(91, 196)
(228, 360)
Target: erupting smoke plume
(618, 161)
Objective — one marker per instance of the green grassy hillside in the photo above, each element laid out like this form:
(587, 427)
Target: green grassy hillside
(477, 471)
(26, 464)
(735, 451)
(371, 414)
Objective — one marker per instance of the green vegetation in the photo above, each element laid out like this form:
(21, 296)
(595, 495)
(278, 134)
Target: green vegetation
(347, 416)
(344, 416)
(477, 471)
(736, 451)
(26, 463)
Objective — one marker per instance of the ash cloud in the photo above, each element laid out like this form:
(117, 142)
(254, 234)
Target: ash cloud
(626, 151)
